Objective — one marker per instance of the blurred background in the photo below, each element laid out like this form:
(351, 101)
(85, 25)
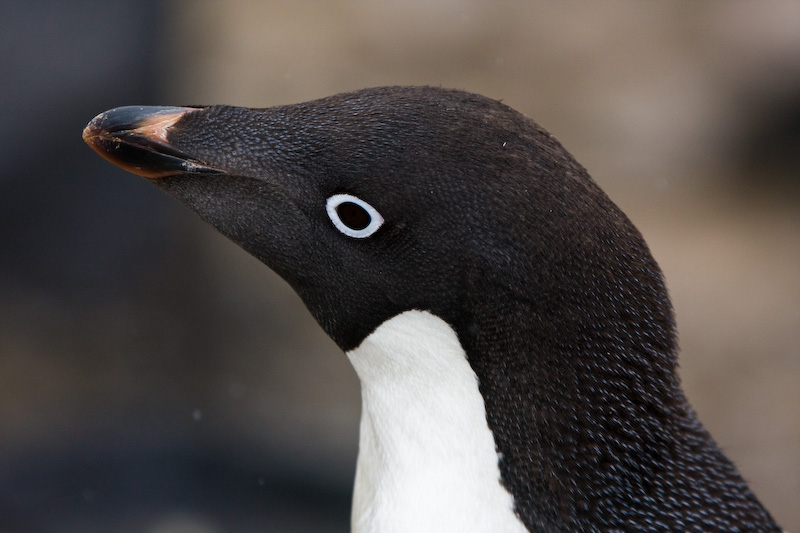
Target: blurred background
(155, 378)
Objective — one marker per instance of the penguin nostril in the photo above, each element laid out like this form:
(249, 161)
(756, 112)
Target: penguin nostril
(353, 216)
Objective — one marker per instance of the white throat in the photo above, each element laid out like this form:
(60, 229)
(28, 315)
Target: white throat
(427, 459)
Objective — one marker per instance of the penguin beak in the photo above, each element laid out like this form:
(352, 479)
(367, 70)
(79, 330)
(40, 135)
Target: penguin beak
(136, 138)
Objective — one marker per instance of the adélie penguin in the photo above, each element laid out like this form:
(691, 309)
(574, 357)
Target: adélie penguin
(511, 331)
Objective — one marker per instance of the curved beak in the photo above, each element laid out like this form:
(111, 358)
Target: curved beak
(136, 138)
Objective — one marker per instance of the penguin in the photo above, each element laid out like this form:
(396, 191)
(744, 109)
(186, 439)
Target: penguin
(511, 331)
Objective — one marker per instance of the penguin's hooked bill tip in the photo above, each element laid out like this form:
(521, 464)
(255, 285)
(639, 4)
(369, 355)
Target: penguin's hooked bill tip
(135, 138)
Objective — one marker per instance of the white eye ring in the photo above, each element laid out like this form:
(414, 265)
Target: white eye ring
(353, 216)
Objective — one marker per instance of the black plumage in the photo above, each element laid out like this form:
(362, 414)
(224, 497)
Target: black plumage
(491, 225)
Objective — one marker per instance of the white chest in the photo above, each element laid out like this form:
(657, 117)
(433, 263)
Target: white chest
(427, 459)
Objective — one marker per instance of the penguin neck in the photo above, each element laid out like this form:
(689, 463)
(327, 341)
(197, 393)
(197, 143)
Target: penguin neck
(592, 429)
(427, 459)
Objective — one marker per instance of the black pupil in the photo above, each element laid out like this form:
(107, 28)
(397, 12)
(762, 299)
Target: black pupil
(353, 215)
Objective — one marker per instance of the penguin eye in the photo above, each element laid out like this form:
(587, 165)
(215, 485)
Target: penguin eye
(353, 216)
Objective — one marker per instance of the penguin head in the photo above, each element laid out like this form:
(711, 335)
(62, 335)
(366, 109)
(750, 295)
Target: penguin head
(383, 200)
(386, 200)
